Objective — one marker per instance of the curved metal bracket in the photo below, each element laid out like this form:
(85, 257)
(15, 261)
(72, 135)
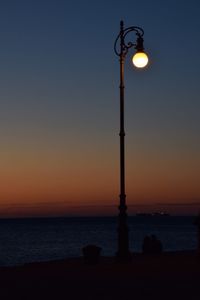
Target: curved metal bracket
(121, 46)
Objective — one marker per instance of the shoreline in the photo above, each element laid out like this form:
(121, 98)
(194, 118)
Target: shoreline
(136, 255)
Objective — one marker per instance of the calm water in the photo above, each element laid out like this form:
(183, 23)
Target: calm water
(29, 240)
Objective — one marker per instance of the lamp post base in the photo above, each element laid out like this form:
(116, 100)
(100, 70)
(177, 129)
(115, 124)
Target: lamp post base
(125, 257)
(123, 254)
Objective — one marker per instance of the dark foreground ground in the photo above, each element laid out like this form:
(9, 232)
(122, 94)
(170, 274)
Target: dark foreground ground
(168, 276)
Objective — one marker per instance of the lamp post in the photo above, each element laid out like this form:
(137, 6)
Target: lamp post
(140, 60)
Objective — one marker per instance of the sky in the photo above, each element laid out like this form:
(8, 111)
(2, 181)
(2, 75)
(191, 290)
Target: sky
(59, 108)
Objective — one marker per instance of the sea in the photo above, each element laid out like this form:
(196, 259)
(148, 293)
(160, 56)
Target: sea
(44, 239)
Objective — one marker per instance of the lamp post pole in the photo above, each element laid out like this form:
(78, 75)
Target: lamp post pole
(121, 48)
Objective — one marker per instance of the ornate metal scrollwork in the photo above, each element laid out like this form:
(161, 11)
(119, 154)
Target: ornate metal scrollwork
(121, 46)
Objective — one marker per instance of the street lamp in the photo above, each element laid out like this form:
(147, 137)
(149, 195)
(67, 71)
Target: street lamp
(140, 60)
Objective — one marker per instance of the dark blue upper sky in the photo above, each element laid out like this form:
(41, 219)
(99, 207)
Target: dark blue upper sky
(65, 48)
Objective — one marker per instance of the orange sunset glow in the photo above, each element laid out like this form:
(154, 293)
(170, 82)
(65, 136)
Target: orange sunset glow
(79, 180)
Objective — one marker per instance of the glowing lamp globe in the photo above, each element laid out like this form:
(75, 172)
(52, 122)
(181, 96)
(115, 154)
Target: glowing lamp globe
(140, 60)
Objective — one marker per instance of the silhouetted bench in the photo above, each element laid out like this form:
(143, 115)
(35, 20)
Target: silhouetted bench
(91, 254)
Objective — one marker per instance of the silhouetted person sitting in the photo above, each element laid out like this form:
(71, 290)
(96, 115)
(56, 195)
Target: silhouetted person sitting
(156, 245)
(152, 245)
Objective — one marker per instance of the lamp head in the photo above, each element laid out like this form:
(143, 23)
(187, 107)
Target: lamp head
(140, 58)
